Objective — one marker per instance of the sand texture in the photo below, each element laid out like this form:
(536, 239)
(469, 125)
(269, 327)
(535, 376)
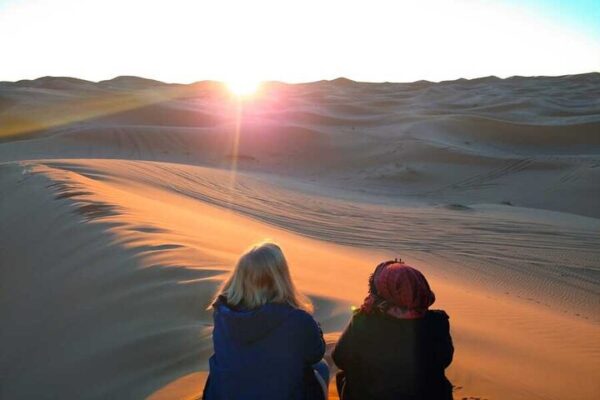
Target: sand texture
(124, 203)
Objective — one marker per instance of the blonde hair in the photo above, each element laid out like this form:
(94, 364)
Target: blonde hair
(262, 276)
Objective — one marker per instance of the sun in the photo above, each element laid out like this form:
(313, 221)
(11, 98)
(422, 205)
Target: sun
(243, 87)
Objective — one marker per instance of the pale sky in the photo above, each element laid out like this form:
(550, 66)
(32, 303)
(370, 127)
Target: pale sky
(297, 41)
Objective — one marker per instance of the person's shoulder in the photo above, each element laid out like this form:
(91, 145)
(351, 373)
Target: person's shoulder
(438, 318)
(301, 321)
(360, 315)
(437, 314)
(293, 315)
(220, 306)
(361, 320)
(301, 316)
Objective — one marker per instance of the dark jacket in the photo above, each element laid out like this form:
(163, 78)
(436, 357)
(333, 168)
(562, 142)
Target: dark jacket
(264, 354)
(385, 358)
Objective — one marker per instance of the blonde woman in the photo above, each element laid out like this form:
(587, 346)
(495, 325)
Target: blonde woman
(267, 345)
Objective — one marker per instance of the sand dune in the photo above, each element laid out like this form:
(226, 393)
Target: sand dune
(522, 138)
(126, 201)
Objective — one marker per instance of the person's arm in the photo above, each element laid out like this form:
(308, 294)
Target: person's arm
(313, 343)
(443, 347)
(343, 352)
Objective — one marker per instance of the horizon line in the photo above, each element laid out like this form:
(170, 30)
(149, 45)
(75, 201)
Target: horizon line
(339, 78)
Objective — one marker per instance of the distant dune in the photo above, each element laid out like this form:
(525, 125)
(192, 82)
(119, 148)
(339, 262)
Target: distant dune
(125, 201)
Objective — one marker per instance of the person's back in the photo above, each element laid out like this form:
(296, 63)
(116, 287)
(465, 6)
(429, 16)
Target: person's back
(391, 351)
(265, 353)
(265, 342)
(390, 358)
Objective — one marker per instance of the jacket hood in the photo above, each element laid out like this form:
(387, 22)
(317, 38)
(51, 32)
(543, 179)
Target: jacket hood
(248, 326)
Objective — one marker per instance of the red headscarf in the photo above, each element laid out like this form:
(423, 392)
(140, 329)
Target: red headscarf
(398, 290)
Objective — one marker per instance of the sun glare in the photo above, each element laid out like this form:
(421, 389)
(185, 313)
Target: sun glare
(243, 87)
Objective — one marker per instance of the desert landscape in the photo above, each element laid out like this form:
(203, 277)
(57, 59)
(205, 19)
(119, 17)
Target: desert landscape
(125, 202)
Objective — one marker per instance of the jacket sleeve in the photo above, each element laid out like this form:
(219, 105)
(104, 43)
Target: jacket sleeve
(313, 342)
(443, 347)
(343, 352)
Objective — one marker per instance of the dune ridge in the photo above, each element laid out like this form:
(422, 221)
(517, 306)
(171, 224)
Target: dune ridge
(394, 139)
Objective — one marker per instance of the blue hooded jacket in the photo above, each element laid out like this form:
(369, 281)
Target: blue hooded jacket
(264, 354)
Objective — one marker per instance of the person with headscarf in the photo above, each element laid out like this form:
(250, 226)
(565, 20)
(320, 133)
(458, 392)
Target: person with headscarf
(395, 347)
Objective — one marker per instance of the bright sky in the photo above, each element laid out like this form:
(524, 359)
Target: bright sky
(297, 41)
